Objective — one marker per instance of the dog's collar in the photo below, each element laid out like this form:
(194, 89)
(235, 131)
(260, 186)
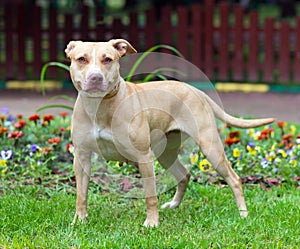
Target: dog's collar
(113, 93)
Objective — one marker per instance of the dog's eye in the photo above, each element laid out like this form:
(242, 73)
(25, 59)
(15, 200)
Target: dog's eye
(82, 60)
(107, 60)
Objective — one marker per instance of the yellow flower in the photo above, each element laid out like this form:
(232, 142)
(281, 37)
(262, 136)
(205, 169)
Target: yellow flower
(293, 162)
(253, 149)
(3, 163)
(274, 146)
(282, 153)
(271, 156)
(236, 153)
(194, 157)
(250, 132)
(205, 166)
(292, 129)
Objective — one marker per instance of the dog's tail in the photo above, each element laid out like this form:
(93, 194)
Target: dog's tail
(237, 122)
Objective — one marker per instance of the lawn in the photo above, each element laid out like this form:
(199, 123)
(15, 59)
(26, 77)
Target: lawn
(37, 192)
(33, 217)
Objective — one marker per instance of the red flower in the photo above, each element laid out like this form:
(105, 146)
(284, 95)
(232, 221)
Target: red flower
(265, 133)
(235, 134)
(46, 150)
(48, 118)
(287, 138)
(20, 124)
(69, 146)
(20, 116)
(230, 141)
(16, 134)
(54, 141)
(34, 118)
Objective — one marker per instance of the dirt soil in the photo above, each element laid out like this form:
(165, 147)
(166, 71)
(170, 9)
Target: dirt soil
(282, 106)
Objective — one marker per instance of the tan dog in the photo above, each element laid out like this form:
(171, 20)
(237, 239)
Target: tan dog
(132, 122)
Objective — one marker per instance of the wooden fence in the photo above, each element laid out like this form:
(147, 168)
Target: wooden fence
(230, 47)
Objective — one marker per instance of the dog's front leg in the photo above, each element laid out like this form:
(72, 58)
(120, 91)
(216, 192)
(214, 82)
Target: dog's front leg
(82, 167)
(148, 178)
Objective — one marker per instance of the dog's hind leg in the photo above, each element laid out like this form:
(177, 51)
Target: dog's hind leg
(212, 148)
(169, 160)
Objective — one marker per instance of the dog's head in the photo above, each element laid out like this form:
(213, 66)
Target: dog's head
(94, 65)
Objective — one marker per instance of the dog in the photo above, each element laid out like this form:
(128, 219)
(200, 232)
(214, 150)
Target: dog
(129, 122)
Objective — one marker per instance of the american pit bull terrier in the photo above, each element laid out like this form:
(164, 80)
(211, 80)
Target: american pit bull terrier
(123, 121)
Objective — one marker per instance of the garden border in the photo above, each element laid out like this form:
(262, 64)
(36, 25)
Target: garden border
(35, 85)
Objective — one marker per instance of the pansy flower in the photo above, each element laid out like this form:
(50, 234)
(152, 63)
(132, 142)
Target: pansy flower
(194, 157)
(236, 153)
(205, 166)
(6, 154)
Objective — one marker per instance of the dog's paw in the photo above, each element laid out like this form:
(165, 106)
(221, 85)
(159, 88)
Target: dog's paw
(171, 204)
(80, 218)
(243, 213)
(151, 222)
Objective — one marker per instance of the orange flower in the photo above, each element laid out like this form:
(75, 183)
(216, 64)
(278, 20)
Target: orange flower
(3, 130)
(20, 116)
(230, 141)
(20, 124)
(63, 114)
(16, 134)
(281, 124)
(287, 138)
(54, 141)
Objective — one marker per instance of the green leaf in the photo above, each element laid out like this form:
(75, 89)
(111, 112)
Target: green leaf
(55, 106)
(145, 54)
(44, 70)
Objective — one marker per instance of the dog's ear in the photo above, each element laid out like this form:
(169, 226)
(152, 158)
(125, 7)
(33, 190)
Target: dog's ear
(70, 47)
(123, 46)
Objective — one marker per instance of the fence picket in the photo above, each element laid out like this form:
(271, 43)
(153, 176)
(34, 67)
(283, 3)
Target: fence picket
(296, 62)
(284, 52)
(253, 47)
(269, 53)
(223, 62)
(238, 62)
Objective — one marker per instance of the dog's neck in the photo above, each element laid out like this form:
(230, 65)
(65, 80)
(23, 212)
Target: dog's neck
(113, 92)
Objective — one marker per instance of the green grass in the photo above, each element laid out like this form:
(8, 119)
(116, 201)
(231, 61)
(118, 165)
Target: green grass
(33, 217)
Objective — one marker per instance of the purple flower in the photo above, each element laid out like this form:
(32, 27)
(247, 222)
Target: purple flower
(4, 110)
(34, 148)
(252, 145)
(264, 163)
(11, 118)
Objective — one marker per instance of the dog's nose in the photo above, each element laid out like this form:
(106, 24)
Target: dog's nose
(95, 78)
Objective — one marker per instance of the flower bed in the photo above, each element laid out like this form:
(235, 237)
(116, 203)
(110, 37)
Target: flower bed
(38, 149)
